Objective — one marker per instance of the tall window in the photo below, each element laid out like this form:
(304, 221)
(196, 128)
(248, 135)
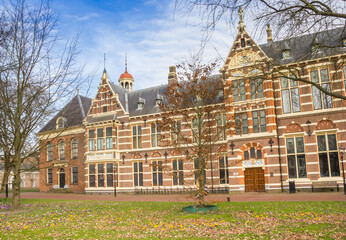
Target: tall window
(61, 150)
(91, 140)
(290, 95)
(91, 175)
(259, 121)
(110, 174)
(100, 175)
(322, 78)
(138, 174)
(100, 139)
(157, 173)
(328, 155)
(221, 127)
(344, 69)
(238, 88)
(256, 88)
(223, 169)
(155, 135)
(175, 130)
(296, 157)
(109, 141)
(241, 124)
(74, 147)
(74, 175)
(136, 136)
(178, 172)
(195, 133)
(50, 152)
(49, 176)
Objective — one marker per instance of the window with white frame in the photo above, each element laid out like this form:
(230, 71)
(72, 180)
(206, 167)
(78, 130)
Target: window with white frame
(175, 130)
(49, 151)
(74, 175)
(92, 175)
(157, 173)
(259, 121)
(296, 162)
(92, 140)
(100, 175)
(238, 90)
(290, 95)
(195, 129)
(61, 147)
(328, 155)
(138, 174)
(60, 123)
(256, 88)
(109, 140)
(223, 169)
(155, 135)
(110, 175)
(241, 123)
(178, 172)
(221, 127)
(49, 176)
(136, 136)
(100, 139)
(321, 100)
(74, 147)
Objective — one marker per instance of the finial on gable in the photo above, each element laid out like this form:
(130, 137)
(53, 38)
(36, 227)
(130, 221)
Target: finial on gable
(241, 26)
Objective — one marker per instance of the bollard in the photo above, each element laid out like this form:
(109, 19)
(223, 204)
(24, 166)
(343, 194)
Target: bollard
(228, 199)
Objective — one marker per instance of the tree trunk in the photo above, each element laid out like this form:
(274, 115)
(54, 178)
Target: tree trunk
(16, 184)
(7, 172)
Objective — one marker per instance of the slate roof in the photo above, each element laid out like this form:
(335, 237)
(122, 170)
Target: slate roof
(330, 41)
(74, 113)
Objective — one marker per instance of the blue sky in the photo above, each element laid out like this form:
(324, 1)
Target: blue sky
(153, 36)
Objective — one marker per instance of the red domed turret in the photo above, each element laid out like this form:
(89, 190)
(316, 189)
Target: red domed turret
(126, 80)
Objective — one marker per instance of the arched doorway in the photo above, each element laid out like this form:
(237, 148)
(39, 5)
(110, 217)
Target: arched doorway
(61, 178)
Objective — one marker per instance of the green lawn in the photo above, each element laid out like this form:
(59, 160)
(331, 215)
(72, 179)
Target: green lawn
(55, 219)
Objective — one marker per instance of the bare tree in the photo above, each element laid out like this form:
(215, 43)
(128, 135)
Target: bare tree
(288, 19)
(37, 69)
(194, 118)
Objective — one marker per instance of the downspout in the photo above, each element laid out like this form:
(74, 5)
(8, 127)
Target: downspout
(277, 135)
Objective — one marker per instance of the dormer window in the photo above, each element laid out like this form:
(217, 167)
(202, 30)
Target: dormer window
(286, 54)
(140, 103)
(315, 48)
(344, 42)
(158, 100)
(60, 123)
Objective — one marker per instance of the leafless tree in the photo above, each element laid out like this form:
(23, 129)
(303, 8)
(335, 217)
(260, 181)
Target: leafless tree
(193, 118)
(287, 18)
(37, 69)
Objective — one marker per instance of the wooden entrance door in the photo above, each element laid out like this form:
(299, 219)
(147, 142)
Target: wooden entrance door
(254, 180)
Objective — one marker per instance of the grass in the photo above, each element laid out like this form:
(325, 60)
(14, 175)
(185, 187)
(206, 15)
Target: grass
(59, 219)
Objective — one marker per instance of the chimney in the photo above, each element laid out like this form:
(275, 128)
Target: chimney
(269, 34)
(172, 75)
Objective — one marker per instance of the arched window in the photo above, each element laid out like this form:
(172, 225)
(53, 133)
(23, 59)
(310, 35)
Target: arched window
(60, 123)
(61, 150)
(253, 153)
(246, 155)
(259, 154)
(74, 147)
(50, 152)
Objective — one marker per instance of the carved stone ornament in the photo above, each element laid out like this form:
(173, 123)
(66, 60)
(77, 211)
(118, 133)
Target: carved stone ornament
(293, 128)
(244, 58)
(325, 124)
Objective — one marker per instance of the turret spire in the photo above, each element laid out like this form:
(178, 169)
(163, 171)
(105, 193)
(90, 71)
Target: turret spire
(125, 61)
(104, 62)
(241, 26)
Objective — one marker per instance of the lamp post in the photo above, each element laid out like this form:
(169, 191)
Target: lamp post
(114, 179)
(342, 151)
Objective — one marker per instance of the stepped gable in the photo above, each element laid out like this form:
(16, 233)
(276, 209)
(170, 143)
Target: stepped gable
(73, 113)
(330, 43)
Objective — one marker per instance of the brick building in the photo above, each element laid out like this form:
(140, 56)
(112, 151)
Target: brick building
(285, 130)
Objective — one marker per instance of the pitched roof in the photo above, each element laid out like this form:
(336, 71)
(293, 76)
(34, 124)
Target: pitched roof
(330, 43)
(73, 112)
